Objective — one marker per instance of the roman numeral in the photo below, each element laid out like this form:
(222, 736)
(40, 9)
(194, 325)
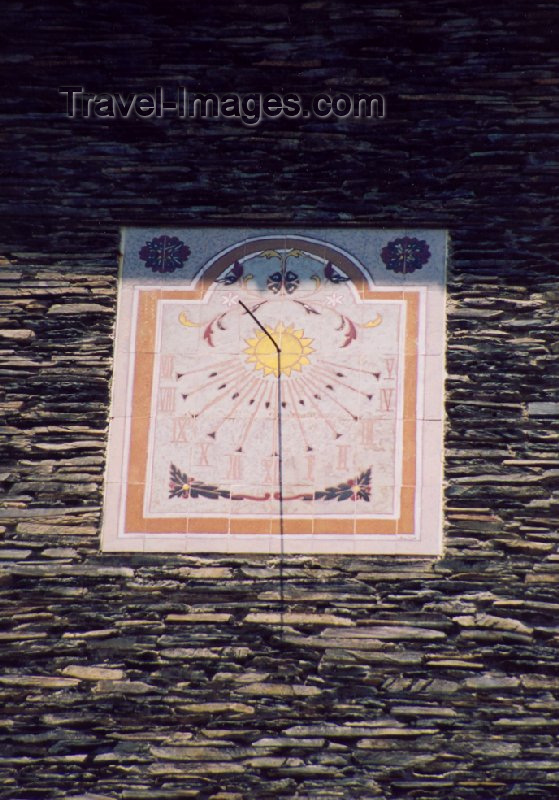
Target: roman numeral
(166, 399)
(179, 429)
(367, 431)
(235, 467)
(271, 470)
(310, 467)
(166, 366)
(387, 399)
(390, 366)
(203, 448)
(343, 451)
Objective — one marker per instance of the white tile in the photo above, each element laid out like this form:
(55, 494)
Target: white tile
(111, 517)
(115, 459)
(434, 375)
(432, 453)
(435, 321)
(431, 518)
(161, 543)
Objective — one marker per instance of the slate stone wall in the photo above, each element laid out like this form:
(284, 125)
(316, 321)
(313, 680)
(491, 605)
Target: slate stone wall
(131, 677)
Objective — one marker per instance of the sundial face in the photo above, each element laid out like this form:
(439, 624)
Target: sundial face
(212, 407)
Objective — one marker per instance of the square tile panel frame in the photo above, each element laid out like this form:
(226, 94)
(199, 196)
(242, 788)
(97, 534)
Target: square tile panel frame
(218, 443)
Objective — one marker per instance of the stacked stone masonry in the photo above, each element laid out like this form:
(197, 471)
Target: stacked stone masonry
(127, 677)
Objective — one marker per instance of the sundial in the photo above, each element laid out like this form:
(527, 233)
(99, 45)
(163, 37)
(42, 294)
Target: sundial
(348, 325)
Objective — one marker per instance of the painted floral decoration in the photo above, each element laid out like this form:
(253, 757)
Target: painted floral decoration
(334, 275)
(181, 485)
(164, 254)
(405, 255)
(232, 275)
(286, 279)
(184, 486)
(358, 489)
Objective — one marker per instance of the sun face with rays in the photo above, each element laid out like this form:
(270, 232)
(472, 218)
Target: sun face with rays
(293, 345)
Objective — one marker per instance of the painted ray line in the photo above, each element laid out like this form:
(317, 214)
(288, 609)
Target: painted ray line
(224, 375)
(221, 397)
(308, 393)
(337, 365)
(214, 374)
(207, 367)
(333, 399)
(273, 399)
(252, 388)
(261, 391)
(241, 399)
(330, 372)
(297, 417)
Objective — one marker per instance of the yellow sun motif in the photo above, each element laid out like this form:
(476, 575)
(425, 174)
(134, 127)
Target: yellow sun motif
(293, 345)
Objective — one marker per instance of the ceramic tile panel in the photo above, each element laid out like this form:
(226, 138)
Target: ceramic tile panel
(278, 391)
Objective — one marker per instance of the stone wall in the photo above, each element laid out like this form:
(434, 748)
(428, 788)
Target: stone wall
(136, 677)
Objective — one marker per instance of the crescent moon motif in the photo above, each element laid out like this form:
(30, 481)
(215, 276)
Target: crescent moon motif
(373, 323)
(183, 319)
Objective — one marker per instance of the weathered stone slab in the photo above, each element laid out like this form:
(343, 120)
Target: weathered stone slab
(75, 570)
(543, 409)
(278, 690)
(79, 308)
(199, 617)
(490, 682)
(38, 681)
(397, 633)
(490, 621)
(93, 673)
(17, 334)
(265, 618)
(105, 686)
(216, 708)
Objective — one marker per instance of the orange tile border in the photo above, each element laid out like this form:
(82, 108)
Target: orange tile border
(141, 410)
